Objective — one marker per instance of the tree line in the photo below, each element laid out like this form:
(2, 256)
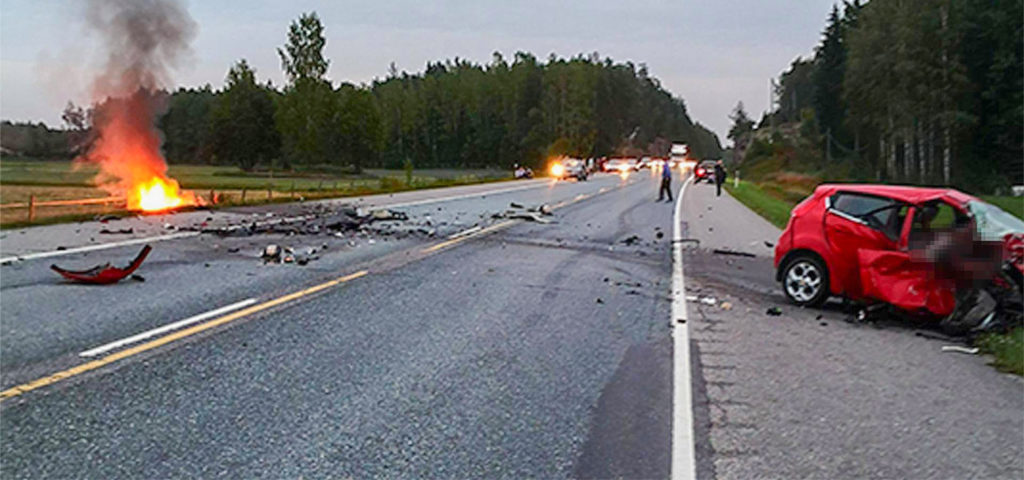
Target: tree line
(923, 92)
(456, 113)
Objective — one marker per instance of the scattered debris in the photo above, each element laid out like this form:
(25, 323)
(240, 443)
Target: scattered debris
(104, 274)
(824, 324)
(658, 235)
(106, 218)
(515, 205)
(960, 349)
(774, 311)
(721, 251)
(726, 306)
(711, 301)
(599, 300)
(138, 278)
(769, 244)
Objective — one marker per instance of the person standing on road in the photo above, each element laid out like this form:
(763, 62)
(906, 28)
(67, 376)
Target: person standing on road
(719, 177)
(666, 182)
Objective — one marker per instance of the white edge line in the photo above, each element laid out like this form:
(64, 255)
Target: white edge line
(166, 328)
(684, 465)
(90, 248)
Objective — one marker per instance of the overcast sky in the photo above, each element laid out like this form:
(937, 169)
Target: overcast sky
(712, 53)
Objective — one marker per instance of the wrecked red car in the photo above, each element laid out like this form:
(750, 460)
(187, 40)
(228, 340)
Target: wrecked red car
(924, 251)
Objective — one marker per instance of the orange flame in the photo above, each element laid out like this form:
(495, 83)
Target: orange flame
(128, 152)
(159, 194)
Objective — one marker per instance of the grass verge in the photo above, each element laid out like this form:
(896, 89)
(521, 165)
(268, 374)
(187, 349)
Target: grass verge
(1007, 349)
(765, 202)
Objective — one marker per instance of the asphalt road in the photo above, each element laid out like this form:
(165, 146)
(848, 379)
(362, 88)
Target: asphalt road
(517, 350)
(541, 350)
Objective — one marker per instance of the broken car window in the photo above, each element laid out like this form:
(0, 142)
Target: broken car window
(877, 212)
(992, 222)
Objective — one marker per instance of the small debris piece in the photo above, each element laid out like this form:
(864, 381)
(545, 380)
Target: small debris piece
(726, 306)
(824, 324)
(769, 244)
(104, 274)
(107, 218)
(123, 231)
(774, 311)
(659, 235)
(720, 251)
(692, 298)
(632, 239)
(272, 253)
(599, 300)
(138, 278)
(515, 205)
(959, 349)
(708, 301)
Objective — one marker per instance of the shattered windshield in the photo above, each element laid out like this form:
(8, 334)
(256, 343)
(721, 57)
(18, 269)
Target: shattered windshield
(992, 222)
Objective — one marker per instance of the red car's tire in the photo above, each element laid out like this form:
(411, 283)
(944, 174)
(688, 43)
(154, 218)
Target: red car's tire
(805, 280)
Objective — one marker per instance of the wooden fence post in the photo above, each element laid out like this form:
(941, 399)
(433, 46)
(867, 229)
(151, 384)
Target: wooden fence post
(243, 196)
(31, 207)
(213, 197)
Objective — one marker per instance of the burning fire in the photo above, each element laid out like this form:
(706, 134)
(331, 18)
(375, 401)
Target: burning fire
(157, 194)
(144, 42)
(127, 150)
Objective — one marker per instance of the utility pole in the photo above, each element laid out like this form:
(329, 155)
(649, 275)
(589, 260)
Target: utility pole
(771, 104)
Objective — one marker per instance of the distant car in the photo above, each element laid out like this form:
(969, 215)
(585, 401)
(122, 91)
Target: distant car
(903, 246)
(569, 168)
(620, 164)
(705, 171)
(644, 162)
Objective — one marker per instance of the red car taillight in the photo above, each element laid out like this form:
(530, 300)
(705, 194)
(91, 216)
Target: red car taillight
(700, 172)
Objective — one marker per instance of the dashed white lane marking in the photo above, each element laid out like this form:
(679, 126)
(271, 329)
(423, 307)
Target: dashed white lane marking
(684, 465)
(166, 328)
(91, 248)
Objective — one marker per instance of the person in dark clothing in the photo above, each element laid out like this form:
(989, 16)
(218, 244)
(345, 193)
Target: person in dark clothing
(666, 182)
(720, 175)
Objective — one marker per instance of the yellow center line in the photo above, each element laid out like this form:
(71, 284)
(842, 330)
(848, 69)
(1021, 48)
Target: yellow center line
(88, 366)
(448, 243)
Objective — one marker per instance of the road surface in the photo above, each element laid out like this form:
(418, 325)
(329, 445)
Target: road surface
(469, 346)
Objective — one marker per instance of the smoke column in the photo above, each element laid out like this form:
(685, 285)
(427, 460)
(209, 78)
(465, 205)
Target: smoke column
(144, 41)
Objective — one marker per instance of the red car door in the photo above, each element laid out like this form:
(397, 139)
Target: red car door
(855, 222)
(906, 278)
